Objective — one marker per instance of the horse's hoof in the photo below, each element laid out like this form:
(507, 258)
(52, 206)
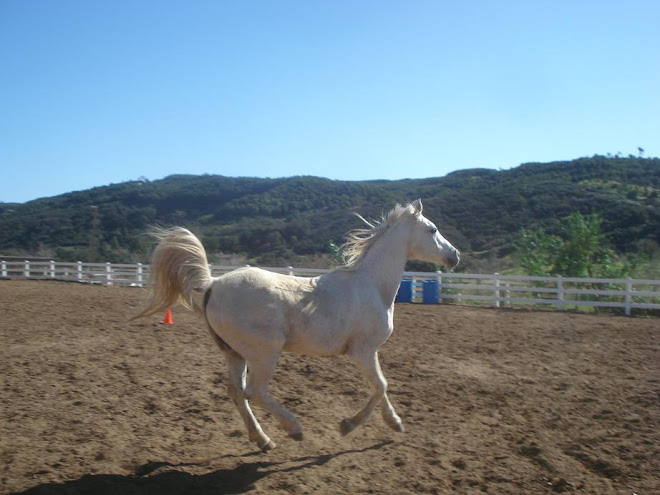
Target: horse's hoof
(297, 436)
(269, 445)
(346, 426)
(398, 427)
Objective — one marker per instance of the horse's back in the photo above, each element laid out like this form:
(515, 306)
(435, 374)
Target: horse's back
(250, 282)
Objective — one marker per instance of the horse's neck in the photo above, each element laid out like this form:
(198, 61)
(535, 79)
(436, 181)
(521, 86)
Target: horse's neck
(384, 263)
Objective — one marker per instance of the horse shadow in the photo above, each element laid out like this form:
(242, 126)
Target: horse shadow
(240, 479)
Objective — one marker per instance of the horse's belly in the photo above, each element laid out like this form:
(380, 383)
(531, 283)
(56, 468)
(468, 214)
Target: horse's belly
(316, 343)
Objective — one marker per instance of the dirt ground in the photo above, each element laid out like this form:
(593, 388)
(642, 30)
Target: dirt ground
(494, 401)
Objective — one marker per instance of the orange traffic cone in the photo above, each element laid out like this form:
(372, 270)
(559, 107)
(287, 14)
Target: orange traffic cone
(168, 318)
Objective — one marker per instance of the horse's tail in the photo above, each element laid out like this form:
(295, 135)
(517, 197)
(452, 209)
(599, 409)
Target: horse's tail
(178, 268)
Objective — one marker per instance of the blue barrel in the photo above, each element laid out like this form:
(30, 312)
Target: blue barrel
(405, 292)
(430, 295)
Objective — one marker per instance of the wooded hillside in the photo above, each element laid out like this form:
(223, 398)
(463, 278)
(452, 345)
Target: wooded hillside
(291, 220)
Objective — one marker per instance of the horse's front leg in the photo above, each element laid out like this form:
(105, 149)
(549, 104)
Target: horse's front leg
(368, 363)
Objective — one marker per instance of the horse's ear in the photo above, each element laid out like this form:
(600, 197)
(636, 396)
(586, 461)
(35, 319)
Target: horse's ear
(418, 206)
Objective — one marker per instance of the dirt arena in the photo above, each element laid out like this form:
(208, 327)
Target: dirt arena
(494, 401)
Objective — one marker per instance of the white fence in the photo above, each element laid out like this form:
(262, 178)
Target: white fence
(558, 292)
(458, 288)
(134, 275)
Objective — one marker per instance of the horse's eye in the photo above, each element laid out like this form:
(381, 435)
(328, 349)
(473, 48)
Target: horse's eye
(433, 230)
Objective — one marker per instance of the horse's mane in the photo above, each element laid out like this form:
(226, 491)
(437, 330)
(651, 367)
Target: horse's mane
(358, 241)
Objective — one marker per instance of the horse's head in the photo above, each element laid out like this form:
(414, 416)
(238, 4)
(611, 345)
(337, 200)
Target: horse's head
(426, 243)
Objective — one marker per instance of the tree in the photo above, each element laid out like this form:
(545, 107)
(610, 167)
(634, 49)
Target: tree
(536, 251)
(335, 253)
(580, 252)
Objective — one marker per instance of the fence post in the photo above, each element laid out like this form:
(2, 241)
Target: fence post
(139, 275)
(628, 296)
(289, 270)
(80, 271)
(496, 290)
(52, 269)
(560, 293)
(26, 271)
(4, 268)
(438, 279)
(108, 273)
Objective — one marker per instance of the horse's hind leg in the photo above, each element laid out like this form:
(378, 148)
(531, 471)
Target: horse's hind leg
(370, 367)
(390, 416)
(236, 368)
(236, 391)
(261, 370)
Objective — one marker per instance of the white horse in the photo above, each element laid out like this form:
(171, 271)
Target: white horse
(254, 315)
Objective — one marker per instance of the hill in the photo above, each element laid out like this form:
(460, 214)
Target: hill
(291, 220)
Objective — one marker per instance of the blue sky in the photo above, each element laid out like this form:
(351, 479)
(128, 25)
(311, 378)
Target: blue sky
(100, 92)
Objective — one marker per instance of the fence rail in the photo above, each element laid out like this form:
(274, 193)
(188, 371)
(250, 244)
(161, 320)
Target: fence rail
(427, 287)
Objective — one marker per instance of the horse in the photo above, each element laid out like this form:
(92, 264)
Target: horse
(254, 315)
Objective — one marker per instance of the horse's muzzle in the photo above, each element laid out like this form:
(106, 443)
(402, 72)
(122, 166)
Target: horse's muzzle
(453, 260)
